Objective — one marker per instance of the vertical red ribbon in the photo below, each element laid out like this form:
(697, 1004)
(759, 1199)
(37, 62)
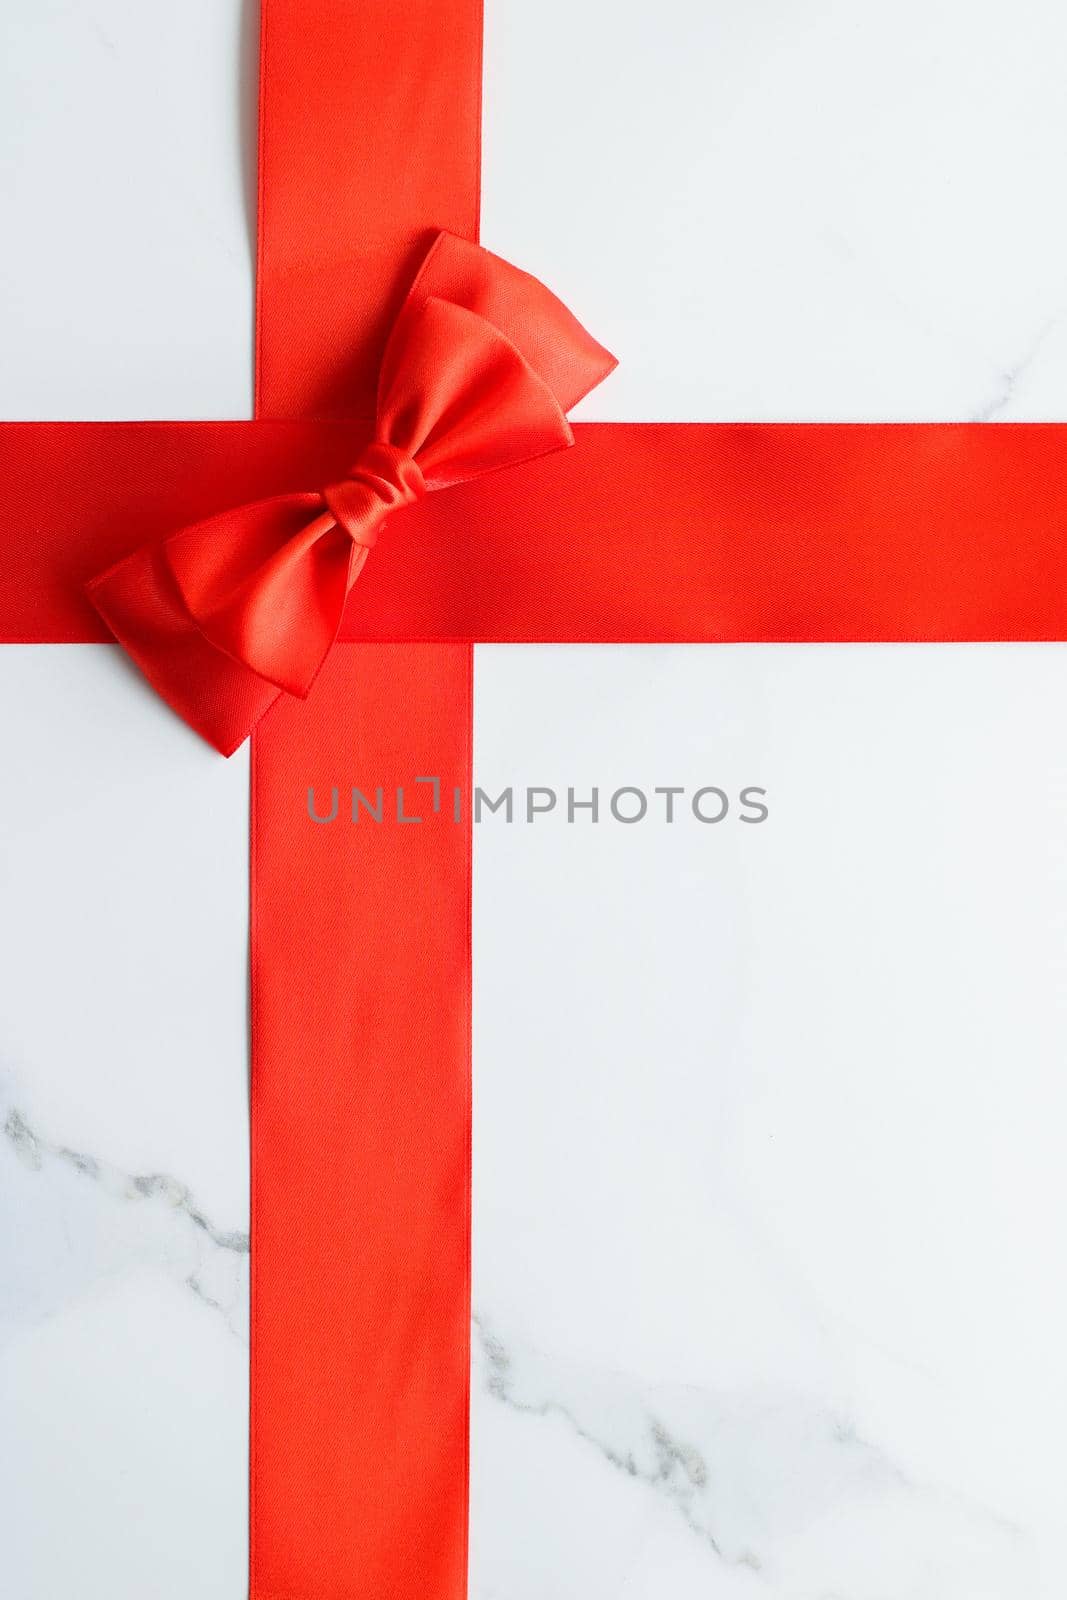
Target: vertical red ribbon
(369, 140)
(361, 1142)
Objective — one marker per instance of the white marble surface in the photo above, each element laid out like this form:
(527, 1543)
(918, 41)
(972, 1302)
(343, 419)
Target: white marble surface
(769, 1126)
(831, 209)
(768, 1287)
(123, 1145)
(127, 188)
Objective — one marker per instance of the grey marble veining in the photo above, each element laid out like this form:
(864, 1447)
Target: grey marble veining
(746, 1473)
(153, 1214)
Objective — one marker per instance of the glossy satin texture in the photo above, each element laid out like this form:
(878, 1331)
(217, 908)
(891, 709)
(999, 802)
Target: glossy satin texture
(479, 371)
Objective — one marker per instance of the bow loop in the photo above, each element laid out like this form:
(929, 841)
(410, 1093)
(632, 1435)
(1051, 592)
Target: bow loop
(266, 584)
(461, 397)
(480, 368)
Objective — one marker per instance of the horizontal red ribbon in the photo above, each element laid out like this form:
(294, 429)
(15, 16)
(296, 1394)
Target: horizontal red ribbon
(644, 532)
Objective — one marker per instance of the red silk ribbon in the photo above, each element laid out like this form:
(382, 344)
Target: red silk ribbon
(482, 364)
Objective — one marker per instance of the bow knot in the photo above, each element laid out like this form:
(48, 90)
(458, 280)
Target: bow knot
(480, 368)
(382, 480)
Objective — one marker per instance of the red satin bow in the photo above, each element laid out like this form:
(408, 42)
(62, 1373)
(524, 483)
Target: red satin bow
(481, 366)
